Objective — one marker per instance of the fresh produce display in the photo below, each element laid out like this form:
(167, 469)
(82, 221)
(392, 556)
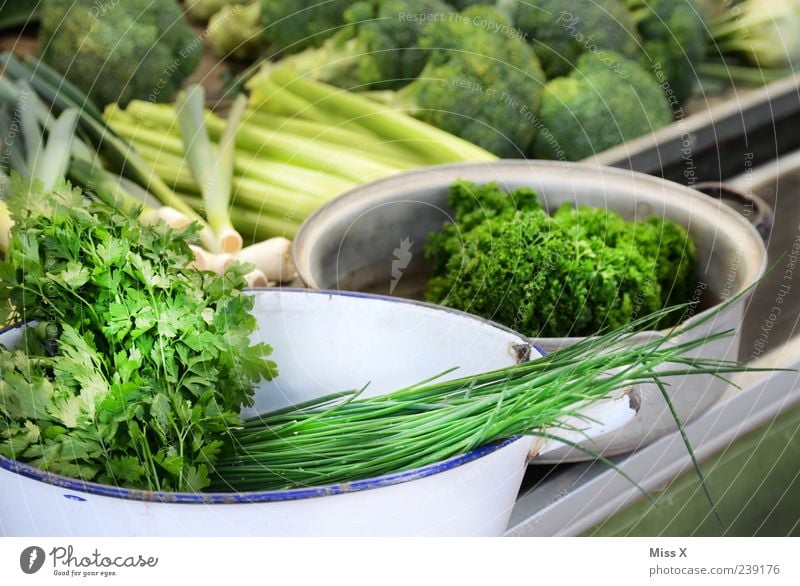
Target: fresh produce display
(134, 366)
(574, 273)
(137, 49)
(598, 106)
(158, 156)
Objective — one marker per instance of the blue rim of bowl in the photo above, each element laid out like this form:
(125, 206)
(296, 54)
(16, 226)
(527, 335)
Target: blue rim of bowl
(292, 494)
(217, 498)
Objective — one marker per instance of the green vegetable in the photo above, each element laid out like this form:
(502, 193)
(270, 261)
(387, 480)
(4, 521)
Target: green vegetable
(674, 41)
(203, 10)
(563, 30)
(755, 41)
(572, 274)
(117, 155)
(380, 48)
(343, 438)
(235, 32)
(213, 171)
(299, 145)
(607, 100)
(137, 49)
(139, 365)
(289, 26)
(16, 13)
(482, 83)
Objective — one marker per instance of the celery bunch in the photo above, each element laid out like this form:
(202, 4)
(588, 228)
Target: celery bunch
(299, 144)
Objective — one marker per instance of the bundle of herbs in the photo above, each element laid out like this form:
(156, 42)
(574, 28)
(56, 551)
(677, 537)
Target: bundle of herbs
(572, 273)
(133, 367)
(341, 438)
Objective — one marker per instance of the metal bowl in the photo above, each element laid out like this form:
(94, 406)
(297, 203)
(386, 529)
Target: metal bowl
(372, 239)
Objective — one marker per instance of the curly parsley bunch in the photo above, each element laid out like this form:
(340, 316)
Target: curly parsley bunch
(575, 273)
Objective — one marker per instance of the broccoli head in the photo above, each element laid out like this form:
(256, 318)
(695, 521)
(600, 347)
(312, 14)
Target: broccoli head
(289, 26)
(605, 101)
(674, 42)
(235, 31)
(482, 82)
(563, 30)
(378, 49)
(136, 49)
(573, 273)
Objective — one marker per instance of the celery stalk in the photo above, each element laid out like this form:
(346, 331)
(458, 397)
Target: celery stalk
(253, 225)
(283, 146)
(246, 192)
(436, 145)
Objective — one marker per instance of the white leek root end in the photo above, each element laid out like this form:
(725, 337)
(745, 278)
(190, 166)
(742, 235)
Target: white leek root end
(256, 279)
(272, 257)
(230, 241)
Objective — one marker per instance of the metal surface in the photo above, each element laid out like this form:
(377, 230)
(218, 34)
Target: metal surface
(361, 239)
(571, 500)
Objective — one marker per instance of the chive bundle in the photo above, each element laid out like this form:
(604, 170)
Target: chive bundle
(343, 438)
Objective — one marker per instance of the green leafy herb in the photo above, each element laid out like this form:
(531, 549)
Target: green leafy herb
(570, 274)
(138, 366)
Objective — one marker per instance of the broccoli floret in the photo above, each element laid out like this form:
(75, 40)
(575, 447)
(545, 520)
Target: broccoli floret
(605, 101)
(482, 82)
(575, 273)
(674, 37)
(289, 26)
(139, 49)
(563, 30)
(379, 49)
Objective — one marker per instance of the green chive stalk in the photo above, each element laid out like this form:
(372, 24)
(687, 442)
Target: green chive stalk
(344, 438)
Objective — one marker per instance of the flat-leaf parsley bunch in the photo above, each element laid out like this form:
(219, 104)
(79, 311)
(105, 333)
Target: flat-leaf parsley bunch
(138, 365)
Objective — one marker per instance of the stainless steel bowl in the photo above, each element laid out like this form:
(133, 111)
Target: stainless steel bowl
(371, 239)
